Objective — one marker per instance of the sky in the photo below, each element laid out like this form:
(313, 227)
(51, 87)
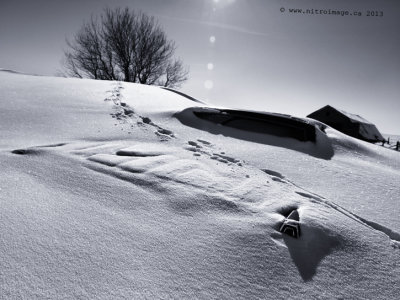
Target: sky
(250, 54)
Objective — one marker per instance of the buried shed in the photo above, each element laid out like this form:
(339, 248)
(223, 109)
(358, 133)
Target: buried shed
(260, 122)
(348, 123)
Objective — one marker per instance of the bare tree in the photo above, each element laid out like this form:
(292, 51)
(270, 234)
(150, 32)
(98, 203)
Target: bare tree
(124, 45)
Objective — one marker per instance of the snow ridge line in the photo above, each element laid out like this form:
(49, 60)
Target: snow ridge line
(393, 235)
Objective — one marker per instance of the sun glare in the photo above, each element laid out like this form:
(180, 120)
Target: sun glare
(208, 84)
(223, 2)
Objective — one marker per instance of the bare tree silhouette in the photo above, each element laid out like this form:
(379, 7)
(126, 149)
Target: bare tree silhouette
(124, 45)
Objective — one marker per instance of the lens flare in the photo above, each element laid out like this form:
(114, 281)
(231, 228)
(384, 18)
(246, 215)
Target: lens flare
(208, 84)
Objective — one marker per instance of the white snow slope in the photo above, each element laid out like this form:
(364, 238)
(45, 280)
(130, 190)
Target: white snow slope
(105, 194)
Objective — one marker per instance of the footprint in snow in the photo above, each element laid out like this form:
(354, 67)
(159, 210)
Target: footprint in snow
(224, 158)
(163, 133)
(206, 148)
(194, 144)
(204, 142)
(275, 176)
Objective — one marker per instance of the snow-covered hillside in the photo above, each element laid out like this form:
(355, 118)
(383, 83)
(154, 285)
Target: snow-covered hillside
(113, 190)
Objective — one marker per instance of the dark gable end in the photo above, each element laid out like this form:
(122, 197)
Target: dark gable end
(347, 123)
(332, 117)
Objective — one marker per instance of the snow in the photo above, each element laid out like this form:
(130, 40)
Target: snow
(114, 190)
(361, 129)
(321, 148)
(355, 117)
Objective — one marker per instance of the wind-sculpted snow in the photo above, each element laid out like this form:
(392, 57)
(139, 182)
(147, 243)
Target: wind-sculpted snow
(117, 199)
(241, 193)
(167, 164)
(143, 150)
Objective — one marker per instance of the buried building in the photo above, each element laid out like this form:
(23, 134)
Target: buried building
(348, 123)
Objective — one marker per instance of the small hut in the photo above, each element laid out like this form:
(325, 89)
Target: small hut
(348, 123)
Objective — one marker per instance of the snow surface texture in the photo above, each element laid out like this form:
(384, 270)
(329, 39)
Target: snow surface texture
(104, 194)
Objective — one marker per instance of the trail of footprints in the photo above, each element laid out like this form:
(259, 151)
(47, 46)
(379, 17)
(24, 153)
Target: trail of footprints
(206, 148)
(125, 115)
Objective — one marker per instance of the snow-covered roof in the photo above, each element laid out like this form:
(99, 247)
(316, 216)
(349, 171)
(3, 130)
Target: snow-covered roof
(366, 130)
(353, 116)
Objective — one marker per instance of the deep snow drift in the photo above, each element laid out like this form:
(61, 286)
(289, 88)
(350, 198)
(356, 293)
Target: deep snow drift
(104, 193)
